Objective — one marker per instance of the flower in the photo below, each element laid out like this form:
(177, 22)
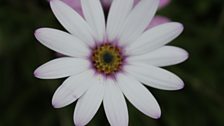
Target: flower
(107, 60)
(157, 20)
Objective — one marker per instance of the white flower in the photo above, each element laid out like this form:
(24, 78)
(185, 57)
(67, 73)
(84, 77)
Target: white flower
(107, 59)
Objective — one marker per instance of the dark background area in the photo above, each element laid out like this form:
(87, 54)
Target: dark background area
(26, 101)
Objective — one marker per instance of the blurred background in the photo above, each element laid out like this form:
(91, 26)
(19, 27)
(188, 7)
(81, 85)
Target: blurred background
(26, 101)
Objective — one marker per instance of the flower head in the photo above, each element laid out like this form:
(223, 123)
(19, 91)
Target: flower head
(107, 60)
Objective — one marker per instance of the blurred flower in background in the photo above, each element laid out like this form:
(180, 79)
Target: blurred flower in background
(75, 4)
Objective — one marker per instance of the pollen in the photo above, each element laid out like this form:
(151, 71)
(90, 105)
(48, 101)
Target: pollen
(107, 59)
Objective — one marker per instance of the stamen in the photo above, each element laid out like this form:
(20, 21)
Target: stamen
(107, 59)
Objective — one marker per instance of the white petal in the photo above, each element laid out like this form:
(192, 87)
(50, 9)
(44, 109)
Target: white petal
(155, 77)
(164, 56)
(117, 15)
(94, 15)
(155, 38)
(138, 20)
(61, 67)
(72, 21)
(62, 42)
(115, 105)
(72, 89)
(89, 103)
(139, 96)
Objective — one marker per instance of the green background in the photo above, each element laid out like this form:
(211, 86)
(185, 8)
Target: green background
(26, 101)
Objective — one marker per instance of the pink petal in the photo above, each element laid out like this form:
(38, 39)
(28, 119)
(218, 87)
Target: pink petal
(106, 3)
(75, 4)
(158, 20)
(136, 2)
(162, 3)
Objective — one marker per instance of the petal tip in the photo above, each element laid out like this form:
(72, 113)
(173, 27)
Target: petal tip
(77, 121)
(177, 25)
(39, 74)
(186, 56)
(181, 27)
(36, 73)
(37, 32)
(157, 114)
(55, 103)
(180, 85)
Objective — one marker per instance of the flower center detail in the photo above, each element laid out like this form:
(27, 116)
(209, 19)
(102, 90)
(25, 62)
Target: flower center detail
(107, 59)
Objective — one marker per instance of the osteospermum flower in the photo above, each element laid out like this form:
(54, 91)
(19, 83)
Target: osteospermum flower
(107, 60)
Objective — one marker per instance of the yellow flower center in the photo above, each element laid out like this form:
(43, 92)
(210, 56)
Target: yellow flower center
(107, 59)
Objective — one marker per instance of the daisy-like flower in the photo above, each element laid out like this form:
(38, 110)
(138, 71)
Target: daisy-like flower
(107, 60)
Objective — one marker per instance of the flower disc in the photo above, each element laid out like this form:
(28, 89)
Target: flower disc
(107, 59)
